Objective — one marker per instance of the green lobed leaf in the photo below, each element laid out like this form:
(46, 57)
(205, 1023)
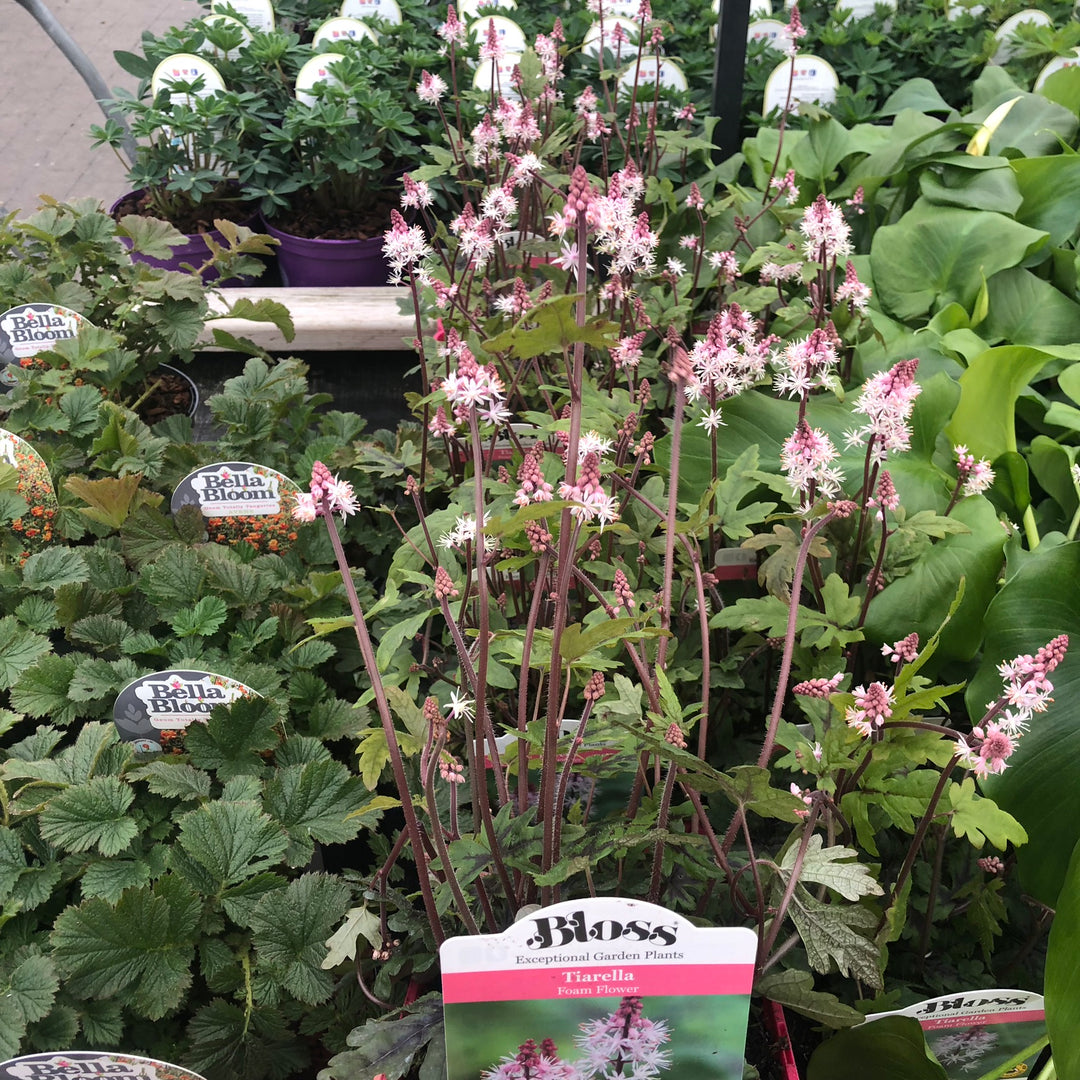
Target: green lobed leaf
(110, 877)
(981, 819)
(835, 867)
(795, 989)
(92, 815)
(290, 928)
(27, 993)
(234, 736)
(830, 934)
(231, 840)
(53, 567)
(204, 619)
(19, 649)
(174, 780)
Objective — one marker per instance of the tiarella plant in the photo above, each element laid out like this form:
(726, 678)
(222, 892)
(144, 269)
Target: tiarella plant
(616, 402)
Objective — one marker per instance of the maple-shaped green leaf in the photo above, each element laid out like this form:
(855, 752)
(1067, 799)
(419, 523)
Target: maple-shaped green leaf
(142, 947)
(902, 797)
(108, 878)
(151, 236)
(835, 867)
(92, 815)
(741, 479)
(795, 989)
(313, 802)
(231, 840)
(53, 567)
(204, 619)
(102, 1022)
(555, 330)
(830, 935)
(80, 407)
(777, 571)
(234, 736)
(174, 780)
(241, 585)
(19, 649)
(239, 901)
(262, 310)
(981, 819)
(27, 992)
(111, 500)
(291, 926)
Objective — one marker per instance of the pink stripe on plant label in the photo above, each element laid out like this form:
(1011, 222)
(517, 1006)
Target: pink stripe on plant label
(978, 1019)
(590, 982)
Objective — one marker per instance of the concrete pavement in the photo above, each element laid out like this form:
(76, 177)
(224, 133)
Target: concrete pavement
(45, 107)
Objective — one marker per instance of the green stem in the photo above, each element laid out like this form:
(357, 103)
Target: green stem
(1030, 529)
(1006, 1067)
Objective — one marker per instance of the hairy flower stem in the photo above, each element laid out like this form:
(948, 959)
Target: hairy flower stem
(669, 523)
(564, 776)
(785, 663)
(661, 824)
(766, 943)
(440, 840)
(367, 651)
(875, 574)
(917, 840)
(539, 591)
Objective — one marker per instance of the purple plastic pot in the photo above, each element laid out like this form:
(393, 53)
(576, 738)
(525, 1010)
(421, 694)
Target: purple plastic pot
(195, 252)
(311, 262)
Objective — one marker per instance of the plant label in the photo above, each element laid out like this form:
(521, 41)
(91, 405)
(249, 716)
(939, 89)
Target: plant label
(181, 70)
(259, 14)
(511, 37)
(34, 486)
(863, 9)
(30, 329)
(387, 10)
(495, 76)
(341, 30)
(473, 9)
(90, 1065)
(955, 8)
(622, 986)
(243, 503)
(318, 69)
(626, 9)
(1004, 34)
(810, 79)
(773, 32)
(615, 35)
(1059, 63)
(153, 711)
(973, 1033)
(217, 20)
(650, 71)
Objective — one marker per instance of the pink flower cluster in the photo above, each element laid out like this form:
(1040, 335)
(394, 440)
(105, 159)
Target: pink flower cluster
(974, 476)
(806, 458)
(887, 400)
(873, 706)
(827, 236)
(590, 501)
(338, 495)
(805, 365)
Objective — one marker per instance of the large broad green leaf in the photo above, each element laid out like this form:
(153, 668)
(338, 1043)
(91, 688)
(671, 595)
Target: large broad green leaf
(985, 419)
(1041, 786)
(1062, 986)
(918, 94)
(1025, 310)
(1033, 125)
(939, 254)
(1050, 187)
(974, 183)
(892, 1048)
(921, 599)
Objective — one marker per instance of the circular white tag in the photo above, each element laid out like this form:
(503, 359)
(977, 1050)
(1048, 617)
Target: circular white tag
(1059, 63)
(473, 9)
(955, 8)
(387, 10)
(318, 69)
(491, 76)
(186, 68)
(599, 36)
(259, 13)
(653, 69)
(1004, 33)
(342, 30)
(772, 32)
(814, 80)
(213, 20)
(511, 36)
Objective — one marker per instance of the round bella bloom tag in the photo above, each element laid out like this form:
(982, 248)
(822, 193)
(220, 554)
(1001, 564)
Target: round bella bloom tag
(318, 69)
(1059, 63)
(1004, 34)
(30, 329)
(243, 503)
(33, 484)
(496, 77)
(814, 80)
(91, 1065)
(651, 71)
(153, 711)
(616, 36)
(510, 36)
(340, 29)
(772, 32)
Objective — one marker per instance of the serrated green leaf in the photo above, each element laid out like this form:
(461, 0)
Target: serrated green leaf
(233, 737)
(112, 499)
(174, 780)
(359, 923)
(314, 802)
(53, 567)
(291, 926)
(981, 819)
(102, 1022)
(835, 867)
(231, 840)
(151, 236)
(26, 995)
(110, 877)
(174, 580)
(93, 815)
(830, 934)
(239, 901)
(37, 613)
(42, 690)
(204, 619)
(142, 948)
(795, 989)
(19, 649)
